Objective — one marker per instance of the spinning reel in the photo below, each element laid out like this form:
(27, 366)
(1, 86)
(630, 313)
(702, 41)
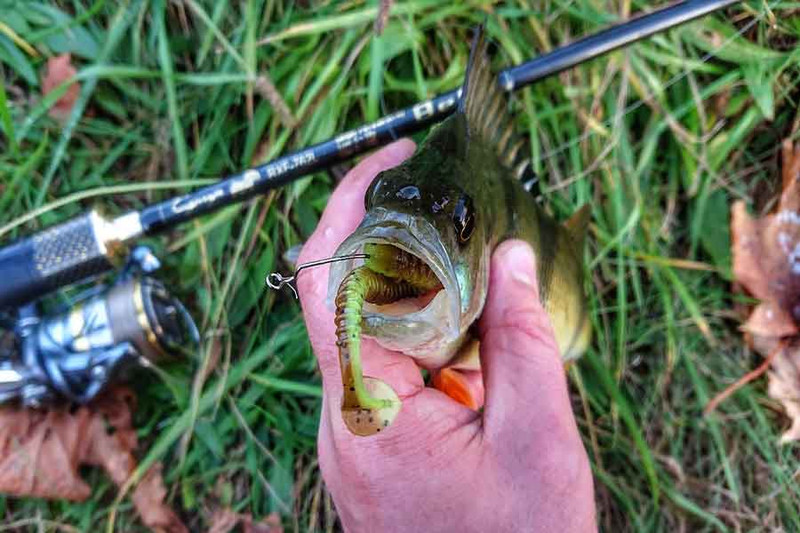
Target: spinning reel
(76, 352)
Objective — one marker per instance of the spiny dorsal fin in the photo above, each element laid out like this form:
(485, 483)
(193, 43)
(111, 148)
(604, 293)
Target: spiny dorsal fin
(486, 108)
(578, 225)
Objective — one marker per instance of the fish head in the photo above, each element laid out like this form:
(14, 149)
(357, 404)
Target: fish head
(439, 223)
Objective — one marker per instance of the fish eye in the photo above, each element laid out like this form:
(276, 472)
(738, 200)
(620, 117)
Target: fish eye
(464, 218)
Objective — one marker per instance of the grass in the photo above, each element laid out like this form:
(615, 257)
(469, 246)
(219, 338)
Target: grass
(660, 138)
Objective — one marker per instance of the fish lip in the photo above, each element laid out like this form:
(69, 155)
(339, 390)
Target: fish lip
(408, 232)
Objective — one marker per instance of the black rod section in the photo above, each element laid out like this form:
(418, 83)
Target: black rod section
(285, 169)
(606, 41)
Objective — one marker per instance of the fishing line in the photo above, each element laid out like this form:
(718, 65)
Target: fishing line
(277, 281)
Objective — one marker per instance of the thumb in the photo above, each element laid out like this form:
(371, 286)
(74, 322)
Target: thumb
(523, 371)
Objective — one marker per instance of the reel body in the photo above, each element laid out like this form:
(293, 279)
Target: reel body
(74, 354)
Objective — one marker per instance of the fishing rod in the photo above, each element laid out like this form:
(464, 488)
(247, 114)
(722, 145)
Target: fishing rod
(74, 352)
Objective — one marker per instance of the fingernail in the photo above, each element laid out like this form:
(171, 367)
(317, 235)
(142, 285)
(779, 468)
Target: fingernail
(522, 264)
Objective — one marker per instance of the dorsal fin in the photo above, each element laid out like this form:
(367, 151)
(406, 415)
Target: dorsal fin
(486, 108)
(578, 226)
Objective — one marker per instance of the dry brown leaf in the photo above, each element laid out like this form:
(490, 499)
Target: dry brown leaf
(148, 497)
(41, 451)
(766, 263)
(271, 524)
(59, 69)
(225, 520)
(784, 386)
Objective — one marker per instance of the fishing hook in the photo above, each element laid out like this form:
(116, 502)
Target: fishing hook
(276, 281)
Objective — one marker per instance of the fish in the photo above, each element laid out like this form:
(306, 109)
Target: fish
(428, 233)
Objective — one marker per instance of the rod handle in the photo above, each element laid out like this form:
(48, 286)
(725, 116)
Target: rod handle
(52, 259)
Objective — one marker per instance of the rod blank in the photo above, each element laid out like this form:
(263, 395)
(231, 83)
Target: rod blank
(606, 41)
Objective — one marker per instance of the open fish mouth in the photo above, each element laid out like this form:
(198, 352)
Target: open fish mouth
(422, 325)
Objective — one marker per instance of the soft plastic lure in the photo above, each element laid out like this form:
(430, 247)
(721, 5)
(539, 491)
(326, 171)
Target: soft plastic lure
(389, 274)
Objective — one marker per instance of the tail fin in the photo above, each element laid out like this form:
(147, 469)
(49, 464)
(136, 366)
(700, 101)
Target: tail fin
(486, 108)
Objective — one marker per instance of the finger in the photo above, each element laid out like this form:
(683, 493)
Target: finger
(343, 213)
(523, 372)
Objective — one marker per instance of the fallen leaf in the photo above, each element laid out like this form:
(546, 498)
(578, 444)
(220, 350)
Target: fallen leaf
(784, 386)
(148, 497)
(766, 263)
(225, 520)
(766, 259)
(58, 70)
(766, 256)
(271, 524)
(41, 452)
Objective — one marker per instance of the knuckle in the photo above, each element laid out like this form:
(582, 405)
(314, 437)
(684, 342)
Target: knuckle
(560, 430)
(559, 463)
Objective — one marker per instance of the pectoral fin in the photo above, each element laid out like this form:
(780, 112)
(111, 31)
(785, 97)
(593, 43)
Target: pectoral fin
(464, 386)
(462, 379)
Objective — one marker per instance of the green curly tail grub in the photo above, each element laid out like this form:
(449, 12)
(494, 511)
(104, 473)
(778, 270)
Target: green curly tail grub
(397, 264)
(365, 422)
(361, 410)
(369, 404)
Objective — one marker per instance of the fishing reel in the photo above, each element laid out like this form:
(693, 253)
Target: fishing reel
(75, 353)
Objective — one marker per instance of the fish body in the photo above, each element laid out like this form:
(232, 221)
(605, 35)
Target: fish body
(449, 206)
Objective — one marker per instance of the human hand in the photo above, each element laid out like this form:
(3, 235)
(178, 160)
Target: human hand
(517, 466)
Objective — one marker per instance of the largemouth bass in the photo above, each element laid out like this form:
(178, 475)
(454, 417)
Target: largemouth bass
(430, 227)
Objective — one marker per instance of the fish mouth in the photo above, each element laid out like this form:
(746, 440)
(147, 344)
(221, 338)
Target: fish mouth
(424, 325)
